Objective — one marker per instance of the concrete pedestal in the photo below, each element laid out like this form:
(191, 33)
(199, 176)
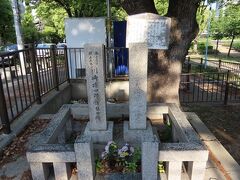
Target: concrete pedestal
(100, 136)
(136, 135)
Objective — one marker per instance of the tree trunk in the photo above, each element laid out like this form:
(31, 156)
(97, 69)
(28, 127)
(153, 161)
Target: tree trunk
(164, 66)
(233, 37)
(216, 51)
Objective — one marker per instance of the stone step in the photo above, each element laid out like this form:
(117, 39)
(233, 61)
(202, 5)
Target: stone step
(45, 116)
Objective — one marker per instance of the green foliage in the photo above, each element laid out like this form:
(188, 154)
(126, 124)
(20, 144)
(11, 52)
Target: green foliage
(118, 13)
(217, 27)
(236, 46)
(125, 159)
(52, 20)
(202, 48)
(80, 8)
(202, 17)
(99, 166)
(7, 33)
(231, 21)
(161, 6)
(161, 168)
(131, 167)
(166, 134)
(30, 32)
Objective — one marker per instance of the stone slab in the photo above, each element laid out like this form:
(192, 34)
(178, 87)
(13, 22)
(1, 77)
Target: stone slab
(80, 111)
(138, 58)
(182, 152)
(150, 28)
(39, 171)
(136, 135)
(84, 157)
(174, 170)
(100, 136)
(196, 170)
(51, 153)
(54, 128)
(94, 59)
(150, 154)
(204, 133)
(179, 120)
(45, 116)
(62, 171)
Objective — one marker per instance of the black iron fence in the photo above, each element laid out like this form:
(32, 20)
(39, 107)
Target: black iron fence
(209, 87)
(192, 65)
(116, 64)
(26, 76)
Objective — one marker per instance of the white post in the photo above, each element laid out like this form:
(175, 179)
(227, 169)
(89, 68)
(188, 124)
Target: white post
(17, 25)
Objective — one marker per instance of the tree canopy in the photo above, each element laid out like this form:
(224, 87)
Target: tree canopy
(6, 22)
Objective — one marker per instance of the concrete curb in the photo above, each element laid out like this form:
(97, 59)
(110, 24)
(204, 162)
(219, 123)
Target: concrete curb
(51, 104)
(224, 161)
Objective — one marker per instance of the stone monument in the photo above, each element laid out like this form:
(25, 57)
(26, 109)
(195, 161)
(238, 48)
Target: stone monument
(98, 128)
(144, 31)
(153, 33)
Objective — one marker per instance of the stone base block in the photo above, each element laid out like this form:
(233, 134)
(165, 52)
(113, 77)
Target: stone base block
(137, 135)
(100, 136)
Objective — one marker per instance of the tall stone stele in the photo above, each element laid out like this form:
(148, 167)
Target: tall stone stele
(144, 31)
(98, 128)
(94, 59)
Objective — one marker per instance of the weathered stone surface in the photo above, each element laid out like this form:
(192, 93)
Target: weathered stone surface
(100, 136)
(182, 125)
(51, 153)
(85, 159)
(138, 57)
(149, 28)
(94, 58)
(62, 171)
(39, 171)
(80, 111)
(150, 155)
(137, 135)
(50, 134)
(174, 170)
(62, 136)
(196, 170)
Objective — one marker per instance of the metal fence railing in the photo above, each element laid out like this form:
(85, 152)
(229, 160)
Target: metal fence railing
(198, 65)
(116, 62)
(26, 76)
(209, 87)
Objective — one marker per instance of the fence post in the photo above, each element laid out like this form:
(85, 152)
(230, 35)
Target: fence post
(188, 60)
(226, 89)
(201, 65)
(226, 93)
(219, 64)
(66, 63)
(3, 110)
(35, 74)
(55, 71)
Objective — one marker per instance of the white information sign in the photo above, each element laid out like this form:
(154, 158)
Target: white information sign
(150, 28)
(80, 31)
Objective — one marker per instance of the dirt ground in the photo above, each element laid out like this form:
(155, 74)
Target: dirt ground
(223, 121)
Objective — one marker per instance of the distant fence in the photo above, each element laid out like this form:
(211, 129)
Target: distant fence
(209, 87)
(198, 65)
(26, 76)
